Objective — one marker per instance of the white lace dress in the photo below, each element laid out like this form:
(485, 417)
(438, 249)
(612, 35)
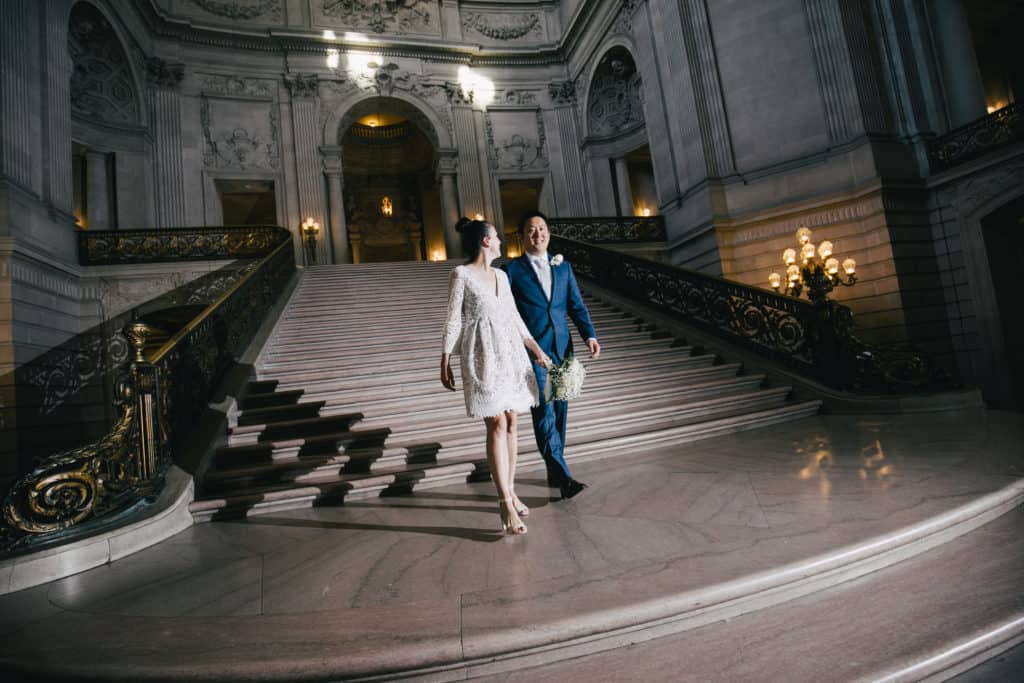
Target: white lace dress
(483, 326)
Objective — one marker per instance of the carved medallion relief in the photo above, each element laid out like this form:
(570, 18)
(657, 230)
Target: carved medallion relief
(615, 105)
(503, 27)
(239, 135)
(379, 16)
(258, 11)
(102, 84)
(516, 140)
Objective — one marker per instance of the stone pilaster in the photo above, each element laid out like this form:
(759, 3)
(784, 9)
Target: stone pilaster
(19, 159)
(471, 175)
(446, 170)
(165, 81)
(97, 183)
(305, 103)
(57, 139)
(335, 199)
(835, 73)
(714, 126)
(563, 97)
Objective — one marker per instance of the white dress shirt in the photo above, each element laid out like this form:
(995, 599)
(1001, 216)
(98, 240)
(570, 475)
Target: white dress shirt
(542, 267)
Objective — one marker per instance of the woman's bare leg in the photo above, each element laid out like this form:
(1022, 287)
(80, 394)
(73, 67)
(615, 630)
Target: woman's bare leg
(497, 459)
(512, 434)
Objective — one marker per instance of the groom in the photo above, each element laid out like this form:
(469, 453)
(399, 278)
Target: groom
(545, 293)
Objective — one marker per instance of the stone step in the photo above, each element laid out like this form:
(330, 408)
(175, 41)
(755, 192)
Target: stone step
(254, 433)
(270, 451)
(340, 488)
(252, 400)
(275, 414)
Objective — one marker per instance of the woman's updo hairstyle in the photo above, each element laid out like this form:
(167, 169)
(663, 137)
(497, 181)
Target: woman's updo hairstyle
(473, 234)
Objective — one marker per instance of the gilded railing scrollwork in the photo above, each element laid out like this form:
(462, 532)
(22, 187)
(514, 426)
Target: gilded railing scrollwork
(814, 340)
(165, 386)
(610, 229)
(1000, 128)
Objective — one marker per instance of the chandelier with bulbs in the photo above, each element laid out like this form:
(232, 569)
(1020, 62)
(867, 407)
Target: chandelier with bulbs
(818, 273)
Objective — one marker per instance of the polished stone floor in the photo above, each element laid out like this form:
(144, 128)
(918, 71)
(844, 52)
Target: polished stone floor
(652, 524)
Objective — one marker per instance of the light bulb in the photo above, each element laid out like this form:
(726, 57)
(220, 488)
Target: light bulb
(832, 266)
(825, 249)
(789, 256)
(807, 251)
(793, 272)
(775, 280)
(850, 266)
(803, 234)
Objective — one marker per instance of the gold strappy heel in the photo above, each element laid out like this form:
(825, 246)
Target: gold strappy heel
(510, 527)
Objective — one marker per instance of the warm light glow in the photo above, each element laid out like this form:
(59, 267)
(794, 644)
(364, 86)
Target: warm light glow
(476, 87)
(437, 255)
(803, 234)
(333, 58)
(990, 109)
(793, 272)
(850, 266)
(775, 280)
(386, 207)
(789, 256)
(372, 123)
(645, 212)
(513, 252)
(832, 266)
(478, 216)
(825, 249)
(310, 227)
(807, 251)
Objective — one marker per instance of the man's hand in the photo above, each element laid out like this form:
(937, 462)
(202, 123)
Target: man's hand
(595, 348)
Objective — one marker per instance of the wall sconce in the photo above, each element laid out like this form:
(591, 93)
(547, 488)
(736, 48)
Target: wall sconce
(437, 255)
(645, 212)
(478, 216)
(820, 275)
(310, 229)
(386, 207)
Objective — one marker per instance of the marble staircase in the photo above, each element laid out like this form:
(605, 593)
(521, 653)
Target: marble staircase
(347, 402)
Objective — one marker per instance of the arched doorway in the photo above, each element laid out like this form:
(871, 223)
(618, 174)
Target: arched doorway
(1002, 231)
(392, 200)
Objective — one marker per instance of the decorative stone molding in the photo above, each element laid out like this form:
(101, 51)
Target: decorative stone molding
(504, 26)
(240, 149)
(517, 98)
(624, 21)
(164, 74)
(850, 212)
(392, 16)
(447, 164)
(241, 11)
(233, 85)
(302, 85)
(979, 190)
(562, 92)
(456, 95)
(102, 85)
(614, 105)
(517, 152)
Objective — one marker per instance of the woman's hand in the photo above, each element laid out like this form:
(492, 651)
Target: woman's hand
(447, 378)
(538, 353)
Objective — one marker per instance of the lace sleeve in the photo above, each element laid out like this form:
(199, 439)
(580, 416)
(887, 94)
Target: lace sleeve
(513, 312)
(453, 321)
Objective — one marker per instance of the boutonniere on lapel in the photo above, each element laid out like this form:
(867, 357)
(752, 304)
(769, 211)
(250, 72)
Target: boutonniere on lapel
(557, 259)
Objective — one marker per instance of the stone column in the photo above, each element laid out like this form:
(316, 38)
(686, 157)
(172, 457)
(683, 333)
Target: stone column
(563, 96)
(165, 80)
(97, 191)
(622, 187)
(336, 202)
(446, 170)
(308, 167)
(19, 75)
(965, 96)
(471, 175)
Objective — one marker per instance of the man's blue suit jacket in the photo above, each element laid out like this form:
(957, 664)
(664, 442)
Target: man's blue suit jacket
(545, 319)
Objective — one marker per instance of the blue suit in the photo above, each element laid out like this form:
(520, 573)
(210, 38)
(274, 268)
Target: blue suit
(547, 323)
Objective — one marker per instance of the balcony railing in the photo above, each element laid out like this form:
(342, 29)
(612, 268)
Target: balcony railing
(814, 340)
(175, 358)
(977, 138)
(612, 229)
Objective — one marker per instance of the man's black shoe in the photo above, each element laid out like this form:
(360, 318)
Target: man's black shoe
(570, 488)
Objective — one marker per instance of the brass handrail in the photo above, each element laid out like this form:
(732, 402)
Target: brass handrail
(163, 394)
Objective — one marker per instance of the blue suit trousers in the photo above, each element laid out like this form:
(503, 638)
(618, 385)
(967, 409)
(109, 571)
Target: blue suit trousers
(549, 430)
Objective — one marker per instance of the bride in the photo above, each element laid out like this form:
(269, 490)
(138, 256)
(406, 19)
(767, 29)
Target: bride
(498, 381)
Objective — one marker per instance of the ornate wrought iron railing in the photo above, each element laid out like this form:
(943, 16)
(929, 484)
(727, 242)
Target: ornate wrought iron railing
(814, 340)
(120, 247)
(976, 139)
(610, 229)
(177, 357)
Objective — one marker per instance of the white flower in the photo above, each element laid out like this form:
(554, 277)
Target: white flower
(557, 259)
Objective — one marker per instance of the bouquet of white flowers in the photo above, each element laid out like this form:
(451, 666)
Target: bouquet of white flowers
(565, 381)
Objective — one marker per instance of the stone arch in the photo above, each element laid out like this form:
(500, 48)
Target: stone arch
(105, 85)
(613, 100)
(420, 113)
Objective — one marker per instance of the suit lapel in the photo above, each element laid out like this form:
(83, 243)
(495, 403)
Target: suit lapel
(555, 275)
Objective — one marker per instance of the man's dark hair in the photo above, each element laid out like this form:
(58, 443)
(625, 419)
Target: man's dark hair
(526, 219)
